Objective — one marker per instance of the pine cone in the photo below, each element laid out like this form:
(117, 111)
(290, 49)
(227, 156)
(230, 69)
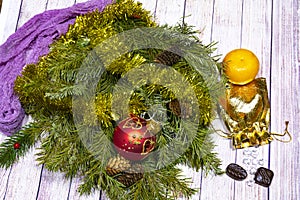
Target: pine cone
(169, 57)
(174, 106)
(117, 165)
(180, 110)
(131, 176)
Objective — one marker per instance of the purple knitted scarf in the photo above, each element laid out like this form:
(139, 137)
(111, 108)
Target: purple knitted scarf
(25, 46)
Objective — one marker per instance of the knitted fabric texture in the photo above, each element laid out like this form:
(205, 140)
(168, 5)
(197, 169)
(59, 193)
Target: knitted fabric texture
(25, 46)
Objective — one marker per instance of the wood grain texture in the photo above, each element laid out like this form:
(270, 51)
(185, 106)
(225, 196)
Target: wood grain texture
(199, 13)
(80, 1)
(53, 186)
(169, 12)
(195, 178)
(9, 13)
(226, 30)
(296, 10)
(54, 4)
(30, 8)
(285, 104)
(150, 6)
(269, 28)
(74, 195)
(256, 36)
(24, 178)
(25, 172)
(12, 171)
(4, 176)
(227, 25)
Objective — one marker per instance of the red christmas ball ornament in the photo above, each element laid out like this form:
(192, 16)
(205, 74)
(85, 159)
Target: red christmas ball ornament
(132, 139)
(17, 145)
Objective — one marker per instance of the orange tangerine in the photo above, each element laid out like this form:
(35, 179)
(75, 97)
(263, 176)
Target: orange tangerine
(240, 66)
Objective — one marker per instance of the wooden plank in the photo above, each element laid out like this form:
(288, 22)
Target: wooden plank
(24, 178)
(149, 5)
(285, 100)
(169, 12)
(195, 178)
(195, 15)
(103, 196)
(4, 174)
(221, 186)
(256, 36)
(25, 172)
(74, 195)
(29, 9)
(54, 4)
(296, 20)
(9, 12)
(53, 186)
(226, 29)
(296, 38)
(257, 32)
(80, 1)
(199, 13)
(247, 189)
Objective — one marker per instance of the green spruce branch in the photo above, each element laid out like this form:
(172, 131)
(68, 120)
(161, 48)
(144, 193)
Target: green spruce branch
(26, 138)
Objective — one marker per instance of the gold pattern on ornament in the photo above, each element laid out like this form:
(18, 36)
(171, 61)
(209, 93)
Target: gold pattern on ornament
(133, 123)
(148, 146)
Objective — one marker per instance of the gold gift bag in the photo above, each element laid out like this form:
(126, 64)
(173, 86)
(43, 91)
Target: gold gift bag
(246, 113)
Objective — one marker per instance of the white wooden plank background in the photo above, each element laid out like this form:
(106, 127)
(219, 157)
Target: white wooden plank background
(270, 28)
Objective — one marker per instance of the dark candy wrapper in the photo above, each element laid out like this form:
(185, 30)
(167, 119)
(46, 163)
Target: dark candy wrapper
(263, 177)
(236, 172)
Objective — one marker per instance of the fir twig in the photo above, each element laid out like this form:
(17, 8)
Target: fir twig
(26, 137)
(166, 183)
